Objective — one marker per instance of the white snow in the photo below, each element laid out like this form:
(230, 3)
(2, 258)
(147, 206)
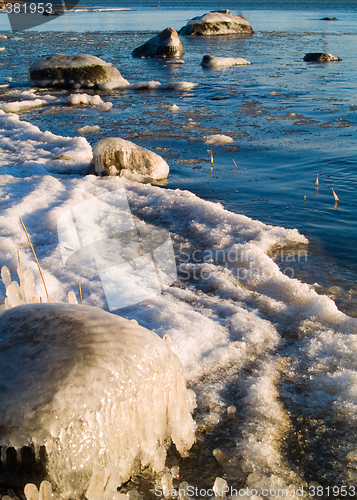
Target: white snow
(223, 62)
(217, 139)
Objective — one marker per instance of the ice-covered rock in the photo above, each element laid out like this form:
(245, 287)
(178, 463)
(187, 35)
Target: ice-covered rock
(73, 71)
(165, 44)
(213, 62)
(114, 156)
(220, 22)
(102, 393)
(321, 57)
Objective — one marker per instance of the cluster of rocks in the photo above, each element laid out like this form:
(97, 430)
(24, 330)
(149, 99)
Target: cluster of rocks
(115, 156)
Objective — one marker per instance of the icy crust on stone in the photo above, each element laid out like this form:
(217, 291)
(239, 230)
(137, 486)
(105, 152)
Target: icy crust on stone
(214, 62)
(216, 23)
(97, 389)
(114, 155)
(26, 148)
(73, 71)
(165, 44)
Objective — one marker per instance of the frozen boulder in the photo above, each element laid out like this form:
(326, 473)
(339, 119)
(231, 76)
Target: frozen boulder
(74, 71)
(321, 57)
(100, 392)
(213, 62)
(115, 156)
(165, 44)
(220, 22)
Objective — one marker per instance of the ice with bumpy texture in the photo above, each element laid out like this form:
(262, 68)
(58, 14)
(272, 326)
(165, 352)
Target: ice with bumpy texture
(216, 23)
(213, 62)
(102, 393)
(114, 155)
(73, 71)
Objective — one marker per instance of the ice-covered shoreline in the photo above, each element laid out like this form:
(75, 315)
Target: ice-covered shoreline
(246, 333)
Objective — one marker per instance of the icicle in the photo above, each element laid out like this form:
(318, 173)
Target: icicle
(30, 291)
(183, 493)
(72, 299)
(220, 487)
(13, 294)
(167, 485)
(175, 472)
(31, 492)
(5, 276)
(45, 492)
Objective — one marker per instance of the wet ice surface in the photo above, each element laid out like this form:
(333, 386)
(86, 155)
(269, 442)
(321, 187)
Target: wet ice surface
(281, 354)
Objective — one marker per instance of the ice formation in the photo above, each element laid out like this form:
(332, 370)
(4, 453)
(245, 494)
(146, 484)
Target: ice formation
(114, 155)
(216, 23)
(217, 139)
(72, 71)
(25, 146)
(213, 62)
(105, 395)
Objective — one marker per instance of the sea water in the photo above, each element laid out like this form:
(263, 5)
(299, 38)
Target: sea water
(281, 354)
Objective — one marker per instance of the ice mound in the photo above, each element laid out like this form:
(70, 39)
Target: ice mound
(214, 62)
(103, 394)
(25, 146)
(217, 23)
(165, 44)
(72, 71)
(217, 139)
(114, 155)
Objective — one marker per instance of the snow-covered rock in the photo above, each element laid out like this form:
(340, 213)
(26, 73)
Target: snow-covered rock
(73, 71)
(116, 156)
(102, 393)
(165, 44)
(216, 23)
(214, 62)
(321, 57)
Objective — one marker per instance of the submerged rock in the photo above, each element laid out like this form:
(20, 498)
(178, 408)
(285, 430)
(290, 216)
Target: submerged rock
(73, 71)
(220, 22)
(321, 57)
(100, 392)
(165, 44)
(213, 62)
(116, 156)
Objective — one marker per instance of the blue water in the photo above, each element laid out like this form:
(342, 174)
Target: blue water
(277, 153)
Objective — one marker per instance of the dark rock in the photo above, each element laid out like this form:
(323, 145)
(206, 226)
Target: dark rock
(321, 57)
(329, 19)
(165, 44)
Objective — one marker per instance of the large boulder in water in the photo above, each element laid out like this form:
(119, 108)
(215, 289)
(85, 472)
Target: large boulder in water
(321, 57)
(114, 155)
(100, 392)
(165, 44)
(220, 22)
(73, 71)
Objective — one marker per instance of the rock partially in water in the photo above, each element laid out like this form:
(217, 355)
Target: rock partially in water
(321, 57)
(73, 71)
(220, 22)
(213, 62)
(100, 392)
(116, 156)
(166, 44)
(329, 19)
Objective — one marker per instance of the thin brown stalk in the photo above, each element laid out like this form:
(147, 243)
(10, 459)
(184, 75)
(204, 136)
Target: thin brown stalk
(80, 292)
(37, 262)
(235, 164)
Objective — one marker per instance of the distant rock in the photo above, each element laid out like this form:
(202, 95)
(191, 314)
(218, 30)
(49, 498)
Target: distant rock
(74, 71)
(220, 22)
(321, 57)
(212, 62)
(329, 19)
(116, 156)
(165, 44)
